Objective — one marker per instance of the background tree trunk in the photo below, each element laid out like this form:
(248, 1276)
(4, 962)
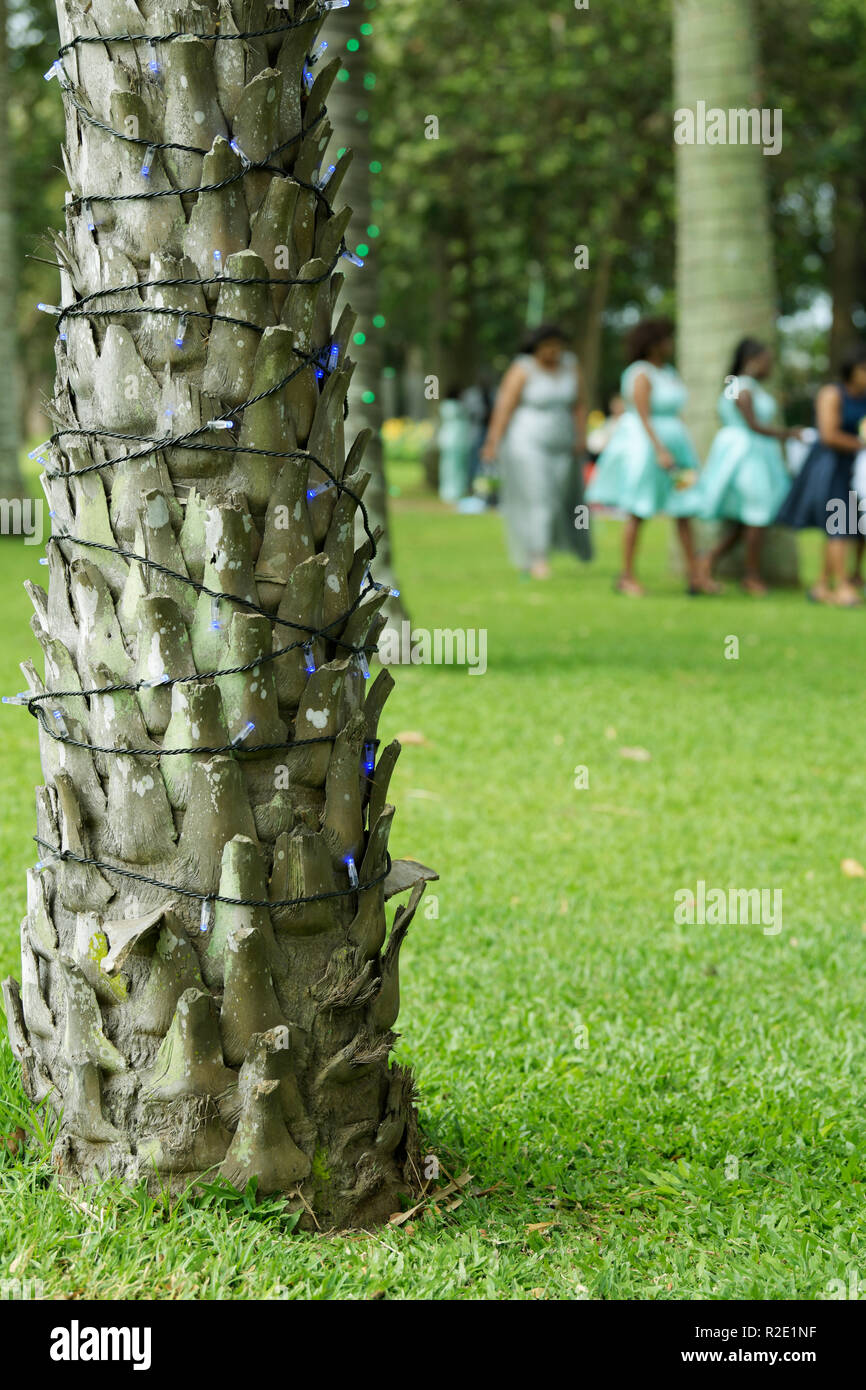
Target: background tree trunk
(10, 475)
(725, 271)
(589, 352)
(349, 108)
(845, 266)
(234, 1015)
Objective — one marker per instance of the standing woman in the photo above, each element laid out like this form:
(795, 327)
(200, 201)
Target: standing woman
(819, 495)
(538, 431)
(637, 470)
(744, 479)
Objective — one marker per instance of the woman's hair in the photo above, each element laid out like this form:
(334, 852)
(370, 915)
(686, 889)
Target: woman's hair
(545, 333)
(853, 358)
(645, 335)
(745, 351)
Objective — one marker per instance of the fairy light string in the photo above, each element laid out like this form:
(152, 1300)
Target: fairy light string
(323, 362)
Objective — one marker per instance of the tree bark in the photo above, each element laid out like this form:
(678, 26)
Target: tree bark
(10, 474)
(213, 993)
(589, 356)
(726, 286)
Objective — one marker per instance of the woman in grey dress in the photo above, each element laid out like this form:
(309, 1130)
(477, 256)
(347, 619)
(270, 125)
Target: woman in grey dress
(537, 432)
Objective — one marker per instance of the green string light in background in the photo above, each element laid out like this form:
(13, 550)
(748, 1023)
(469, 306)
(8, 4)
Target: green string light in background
(373, 230)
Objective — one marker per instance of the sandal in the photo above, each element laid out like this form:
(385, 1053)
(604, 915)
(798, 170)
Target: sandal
(755, 587)
(629, 587)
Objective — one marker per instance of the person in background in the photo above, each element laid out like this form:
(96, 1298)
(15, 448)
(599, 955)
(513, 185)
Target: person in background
(455, 445)
(637, 470)
(744, 479)
(478, 400)
(537, 432)
(599, 437)
(858, 482)
(819, 495)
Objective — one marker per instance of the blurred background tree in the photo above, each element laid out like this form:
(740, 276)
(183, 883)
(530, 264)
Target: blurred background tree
(349, 35)
(35, 134)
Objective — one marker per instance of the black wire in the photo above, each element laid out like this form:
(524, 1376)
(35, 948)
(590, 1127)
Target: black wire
(313, 632)
(186, 441)
(248, 166)
(217, 897)
(77, 310)
(186, 34)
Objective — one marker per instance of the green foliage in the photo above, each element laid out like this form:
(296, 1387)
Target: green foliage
(552, 133)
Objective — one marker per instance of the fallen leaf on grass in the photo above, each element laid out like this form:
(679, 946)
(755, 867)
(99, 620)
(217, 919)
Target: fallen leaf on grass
(14, 1140)
(20, 1263)
(400, 1218)
(852, 868)
(637, 755)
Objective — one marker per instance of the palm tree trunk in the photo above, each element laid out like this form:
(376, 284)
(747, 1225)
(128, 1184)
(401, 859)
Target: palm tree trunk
(10, 475)
(725, 271)
(348, 107)
(204, 985)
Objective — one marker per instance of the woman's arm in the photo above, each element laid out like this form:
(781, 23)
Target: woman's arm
(828, 409)
(642, 391)
(507, 401)
(746, 407)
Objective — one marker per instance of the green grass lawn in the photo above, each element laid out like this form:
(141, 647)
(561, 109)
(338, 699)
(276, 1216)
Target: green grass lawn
(647, 1110)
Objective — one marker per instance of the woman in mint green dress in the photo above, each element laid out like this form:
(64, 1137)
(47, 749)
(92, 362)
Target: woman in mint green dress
(641, 470)
(744, 479)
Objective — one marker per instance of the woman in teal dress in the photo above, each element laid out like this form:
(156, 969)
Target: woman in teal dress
(744, 479)
(650, 453)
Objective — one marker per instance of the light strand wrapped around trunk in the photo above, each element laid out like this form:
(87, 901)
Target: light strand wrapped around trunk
(204, 984)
